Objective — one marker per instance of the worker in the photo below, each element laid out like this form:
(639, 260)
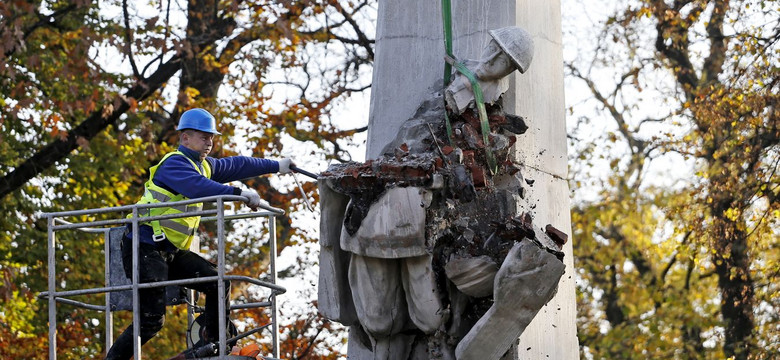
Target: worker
(163, 249)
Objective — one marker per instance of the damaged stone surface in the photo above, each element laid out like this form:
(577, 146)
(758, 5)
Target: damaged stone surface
(393, 226)
(473, 276)
(430, 245)
(527, 280)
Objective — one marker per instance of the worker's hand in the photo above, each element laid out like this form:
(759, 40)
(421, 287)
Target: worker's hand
(284, 165)
(254, 198)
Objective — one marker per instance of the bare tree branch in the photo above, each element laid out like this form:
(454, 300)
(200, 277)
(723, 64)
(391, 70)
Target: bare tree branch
(129, 41)
(87, 129)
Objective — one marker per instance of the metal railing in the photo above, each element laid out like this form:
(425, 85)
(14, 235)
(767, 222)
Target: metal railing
(56, 223)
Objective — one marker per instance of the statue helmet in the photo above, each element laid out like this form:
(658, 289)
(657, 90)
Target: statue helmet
(198, 119)
(517, 43)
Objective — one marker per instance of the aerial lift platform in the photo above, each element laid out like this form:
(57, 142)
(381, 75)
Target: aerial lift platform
(122, 293)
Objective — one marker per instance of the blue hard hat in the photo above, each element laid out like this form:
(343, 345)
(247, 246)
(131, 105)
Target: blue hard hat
(198, 119)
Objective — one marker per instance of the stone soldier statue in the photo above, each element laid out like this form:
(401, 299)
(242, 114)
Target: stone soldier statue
(378, 278)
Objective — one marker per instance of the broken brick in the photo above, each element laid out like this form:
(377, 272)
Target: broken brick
(477, 176)
(468, 158)
(439, 163)
(413, 172)
(447, 149)
(556, 235)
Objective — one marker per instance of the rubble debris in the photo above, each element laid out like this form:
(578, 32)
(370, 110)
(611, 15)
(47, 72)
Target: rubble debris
(366, 182)
(513, 123)
(461, 185)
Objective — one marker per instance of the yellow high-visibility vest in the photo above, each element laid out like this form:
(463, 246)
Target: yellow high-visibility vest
(181, 231)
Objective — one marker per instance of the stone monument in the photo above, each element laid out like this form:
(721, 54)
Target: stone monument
(427, 253)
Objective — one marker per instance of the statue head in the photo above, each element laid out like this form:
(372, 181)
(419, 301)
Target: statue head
(494, 63)
(517, 44)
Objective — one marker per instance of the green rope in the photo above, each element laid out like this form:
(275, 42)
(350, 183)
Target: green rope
(446, 15)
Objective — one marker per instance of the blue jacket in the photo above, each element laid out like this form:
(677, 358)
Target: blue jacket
(177, 175)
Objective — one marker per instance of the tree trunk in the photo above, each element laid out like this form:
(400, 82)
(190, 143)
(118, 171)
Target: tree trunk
(732, 265)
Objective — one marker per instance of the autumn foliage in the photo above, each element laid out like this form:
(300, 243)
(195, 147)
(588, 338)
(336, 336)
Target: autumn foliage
(90, 94)
(676, 235)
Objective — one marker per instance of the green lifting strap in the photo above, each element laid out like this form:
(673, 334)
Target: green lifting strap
(446, 14)
(478, 98)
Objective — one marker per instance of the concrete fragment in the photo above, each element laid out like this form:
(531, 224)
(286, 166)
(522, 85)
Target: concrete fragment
(499, 142)
(394, 226)
(422, 294)
(526, 281)
(550, 245)
(514, 124)
(472, 276)
(512, 183)
(461, 185)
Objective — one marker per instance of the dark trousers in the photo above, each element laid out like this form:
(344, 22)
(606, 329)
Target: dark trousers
(156, 265)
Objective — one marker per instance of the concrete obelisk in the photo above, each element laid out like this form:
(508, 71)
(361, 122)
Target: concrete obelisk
(409, 65)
